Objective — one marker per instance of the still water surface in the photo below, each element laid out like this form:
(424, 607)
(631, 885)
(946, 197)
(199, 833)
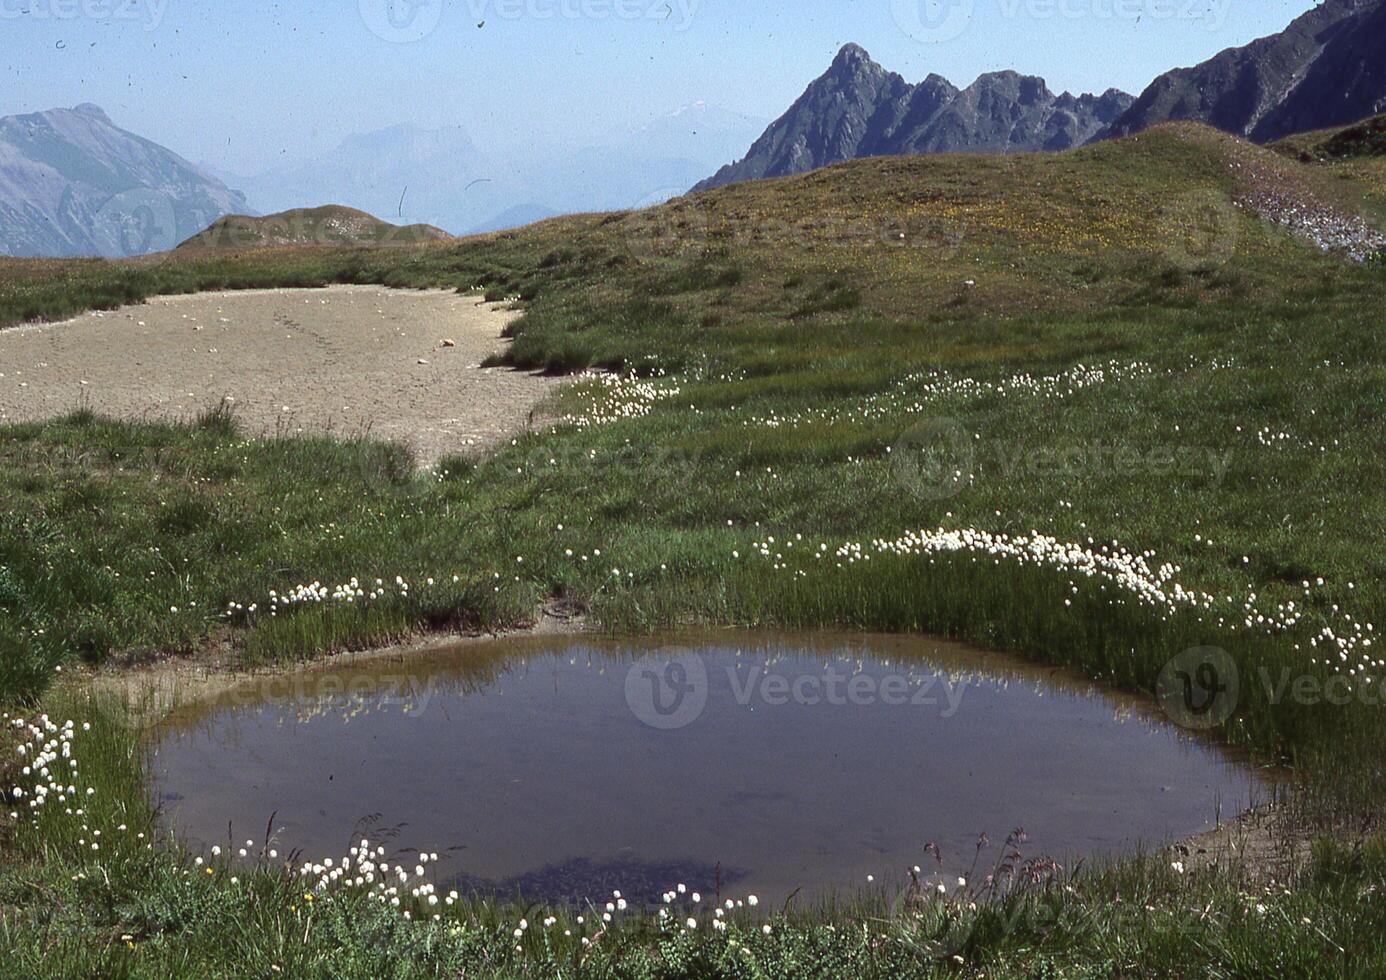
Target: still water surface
(565, 767)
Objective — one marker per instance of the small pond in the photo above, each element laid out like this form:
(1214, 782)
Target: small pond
(565, 767)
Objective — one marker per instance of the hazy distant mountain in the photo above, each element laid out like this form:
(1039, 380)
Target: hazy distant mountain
(1328, 68)
(404, 174)
(441, 177)
(73, 183)
(516, 217)
(648, 165)
(858, 109)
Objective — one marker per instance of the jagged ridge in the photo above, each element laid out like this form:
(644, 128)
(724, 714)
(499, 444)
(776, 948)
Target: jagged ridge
(1328, 68)
(858, 109)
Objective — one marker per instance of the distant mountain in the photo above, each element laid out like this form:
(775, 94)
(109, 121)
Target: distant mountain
(1328, 68)
(516, 217)
(649, 164)
(858, 109)
(72, 183)
(404, 173)
(327, 225)
(442, 177)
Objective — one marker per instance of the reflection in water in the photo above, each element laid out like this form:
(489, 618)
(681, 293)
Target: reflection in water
(581, 879)
(566, 768)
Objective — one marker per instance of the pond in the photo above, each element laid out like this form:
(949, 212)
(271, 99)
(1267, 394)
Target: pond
(561, 768)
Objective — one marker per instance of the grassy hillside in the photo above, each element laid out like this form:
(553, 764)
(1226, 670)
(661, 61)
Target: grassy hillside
(1363, 139)
(1355, 155)
(331, 224)
(1091, 407)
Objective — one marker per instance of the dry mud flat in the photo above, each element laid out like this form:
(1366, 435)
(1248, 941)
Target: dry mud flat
(399, 365)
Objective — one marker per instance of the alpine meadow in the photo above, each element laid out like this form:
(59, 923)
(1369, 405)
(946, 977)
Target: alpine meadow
(367, 587)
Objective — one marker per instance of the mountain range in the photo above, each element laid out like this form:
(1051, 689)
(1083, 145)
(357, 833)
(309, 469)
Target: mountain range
(858, 109)
(404, 174)
(74, 183)
(441, 177)
(1328, 68)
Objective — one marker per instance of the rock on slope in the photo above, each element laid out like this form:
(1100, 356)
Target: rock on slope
(73, 183)
(858, 109)
(1328, 68)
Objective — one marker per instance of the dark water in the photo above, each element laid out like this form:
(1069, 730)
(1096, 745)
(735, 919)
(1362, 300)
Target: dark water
(566, 767)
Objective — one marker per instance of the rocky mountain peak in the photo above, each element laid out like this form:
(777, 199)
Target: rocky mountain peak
(853, 58)
(92, 111)
(858, 108)
(1327, 68)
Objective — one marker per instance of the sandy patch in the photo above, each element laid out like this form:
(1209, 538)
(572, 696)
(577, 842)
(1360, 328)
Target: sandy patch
(346, 360)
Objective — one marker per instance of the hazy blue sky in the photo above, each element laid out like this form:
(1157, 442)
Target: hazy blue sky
(242, 84)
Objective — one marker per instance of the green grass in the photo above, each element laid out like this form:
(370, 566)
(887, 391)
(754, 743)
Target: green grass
(796, 342)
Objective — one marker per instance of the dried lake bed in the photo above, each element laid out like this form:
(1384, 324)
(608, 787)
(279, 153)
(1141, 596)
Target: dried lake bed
(399, 365)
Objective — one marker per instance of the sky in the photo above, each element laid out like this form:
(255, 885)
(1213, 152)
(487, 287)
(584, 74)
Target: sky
(244, 85)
